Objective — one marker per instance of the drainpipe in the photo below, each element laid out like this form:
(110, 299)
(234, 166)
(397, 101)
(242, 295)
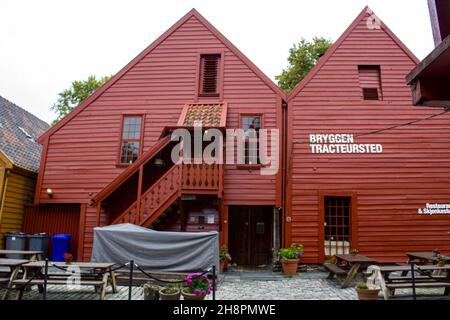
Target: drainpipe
(284, 179)
(3, 192)
(276, 240)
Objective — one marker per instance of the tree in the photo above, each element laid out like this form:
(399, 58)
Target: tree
(77, 93)
(302, 58)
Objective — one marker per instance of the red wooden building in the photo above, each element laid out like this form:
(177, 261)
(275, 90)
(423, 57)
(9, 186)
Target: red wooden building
(370, 197)
(110, 157)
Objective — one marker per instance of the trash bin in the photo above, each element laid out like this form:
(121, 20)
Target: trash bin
(60, 245)
(39, 242)
(15, 241)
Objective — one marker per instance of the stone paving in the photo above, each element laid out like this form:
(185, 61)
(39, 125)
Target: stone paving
(245, 286)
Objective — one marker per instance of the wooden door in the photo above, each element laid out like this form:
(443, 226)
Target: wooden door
(250, 235)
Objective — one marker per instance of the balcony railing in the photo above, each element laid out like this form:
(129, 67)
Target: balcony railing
(201, 177)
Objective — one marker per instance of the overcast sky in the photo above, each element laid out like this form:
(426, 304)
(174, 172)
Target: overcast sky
(46, 44)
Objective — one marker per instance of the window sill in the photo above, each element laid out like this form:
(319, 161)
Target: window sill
(123, 165)
(249, 166)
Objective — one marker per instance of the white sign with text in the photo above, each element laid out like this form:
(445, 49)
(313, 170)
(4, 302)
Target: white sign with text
(340, 144)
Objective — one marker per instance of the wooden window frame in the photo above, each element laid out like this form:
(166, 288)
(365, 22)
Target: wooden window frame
(220, 74)
(141, 137)
(241, 116)
(381, 91)
(353, 218)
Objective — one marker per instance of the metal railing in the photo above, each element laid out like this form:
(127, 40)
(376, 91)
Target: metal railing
(131, 266)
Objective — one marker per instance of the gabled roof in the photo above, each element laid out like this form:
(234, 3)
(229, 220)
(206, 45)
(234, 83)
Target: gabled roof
(366, 11)
(190, 14)
(18, 131)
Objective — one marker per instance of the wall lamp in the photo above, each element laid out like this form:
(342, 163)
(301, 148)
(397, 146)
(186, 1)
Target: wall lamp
(49, 192)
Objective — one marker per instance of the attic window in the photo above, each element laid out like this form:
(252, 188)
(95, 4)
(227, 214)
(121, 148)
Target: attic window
(370, 82)
(209, 75)
(29, 137)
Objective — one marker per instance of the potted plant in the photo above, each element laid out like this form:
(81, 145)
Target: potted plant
(354, 252)
(151, 291)
(68, 258)
(441, 261)
(367, 293)
(169, 292)
(196, 287)
(290, 258)
(436, 252)
(225, 257)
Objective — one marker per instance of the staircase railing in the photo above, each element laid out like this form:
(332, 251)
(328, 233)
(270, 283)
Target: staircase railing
(186, 177)
(153, 199)
(201, 177)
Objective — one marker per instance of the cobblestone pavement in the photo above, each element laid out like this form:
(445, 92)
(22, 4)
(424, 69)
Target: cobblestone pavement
(245, 286)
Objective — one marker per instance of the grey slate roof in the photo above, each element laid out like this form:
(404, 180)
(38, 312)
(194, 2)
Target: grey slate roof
(18, 131)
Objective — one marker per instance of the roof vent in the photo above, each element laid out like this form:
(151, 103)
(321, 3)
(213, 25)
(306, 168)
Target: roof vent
(29, 137)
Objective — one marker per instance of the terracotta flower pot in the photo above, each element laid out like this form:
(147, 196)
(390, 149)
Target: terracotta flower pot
(367, 294)
(68, 261)
(222, 266)
(289, 266)
(169, 296)
(151, 291)
(190, 296)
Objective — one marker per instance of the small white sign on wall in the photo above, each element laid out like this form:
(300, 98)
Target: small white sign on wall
(340, 144)
(434, 209)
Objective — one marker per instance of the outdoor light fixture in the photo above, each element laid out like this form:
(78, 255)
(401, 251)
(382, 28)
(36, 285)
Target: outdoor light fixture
(49, 192)
(159, 162)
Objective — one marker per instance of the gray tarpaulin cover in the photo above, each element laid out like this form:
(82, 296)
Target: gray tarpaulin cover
(156, 250)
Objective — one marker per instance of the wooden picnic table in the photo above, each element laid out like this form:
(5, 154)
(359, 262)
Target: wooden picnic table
(348, 266)
(14, 266)
(426, 277)
(90, 274)
(27, 254)
(426, 257)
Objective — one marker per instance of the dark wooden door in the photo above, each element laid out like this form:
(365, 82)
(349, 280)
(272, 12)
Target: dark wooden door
(250, 235)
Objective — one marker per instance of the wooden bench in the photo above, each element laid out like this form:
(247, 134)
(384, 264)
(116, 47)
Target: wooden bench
(409, 285)
(57, 281)
(334, 270)
(416, 278)
(98, 284)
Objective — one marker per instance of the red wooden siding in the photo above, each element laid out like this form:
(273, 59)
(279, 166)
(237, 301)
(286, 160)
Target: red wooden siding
(414, 168)
(81, 155)
(54, 219)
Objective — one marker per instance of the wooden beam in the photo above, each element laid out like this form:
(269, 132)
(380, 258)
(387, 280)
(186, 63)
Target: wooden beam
(182, 207)
(224, 224)
(434, 22)
(433, 63)
(431, 92)
(139, 192)
(440, 19)
(81, 234)
(98, 210)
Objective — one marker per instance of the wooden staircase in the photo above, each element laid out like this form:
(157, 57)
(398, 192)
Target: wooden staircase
(154, 201)
(178, 180)
(150, 204)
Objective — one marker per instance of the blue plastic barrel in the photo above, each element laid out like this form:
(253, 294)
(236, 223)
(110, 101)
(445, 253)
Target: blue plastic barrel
(60, 245)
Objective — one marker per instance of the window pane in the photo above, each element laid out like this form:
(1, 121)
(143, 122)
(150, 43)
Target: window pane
(131, 136)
